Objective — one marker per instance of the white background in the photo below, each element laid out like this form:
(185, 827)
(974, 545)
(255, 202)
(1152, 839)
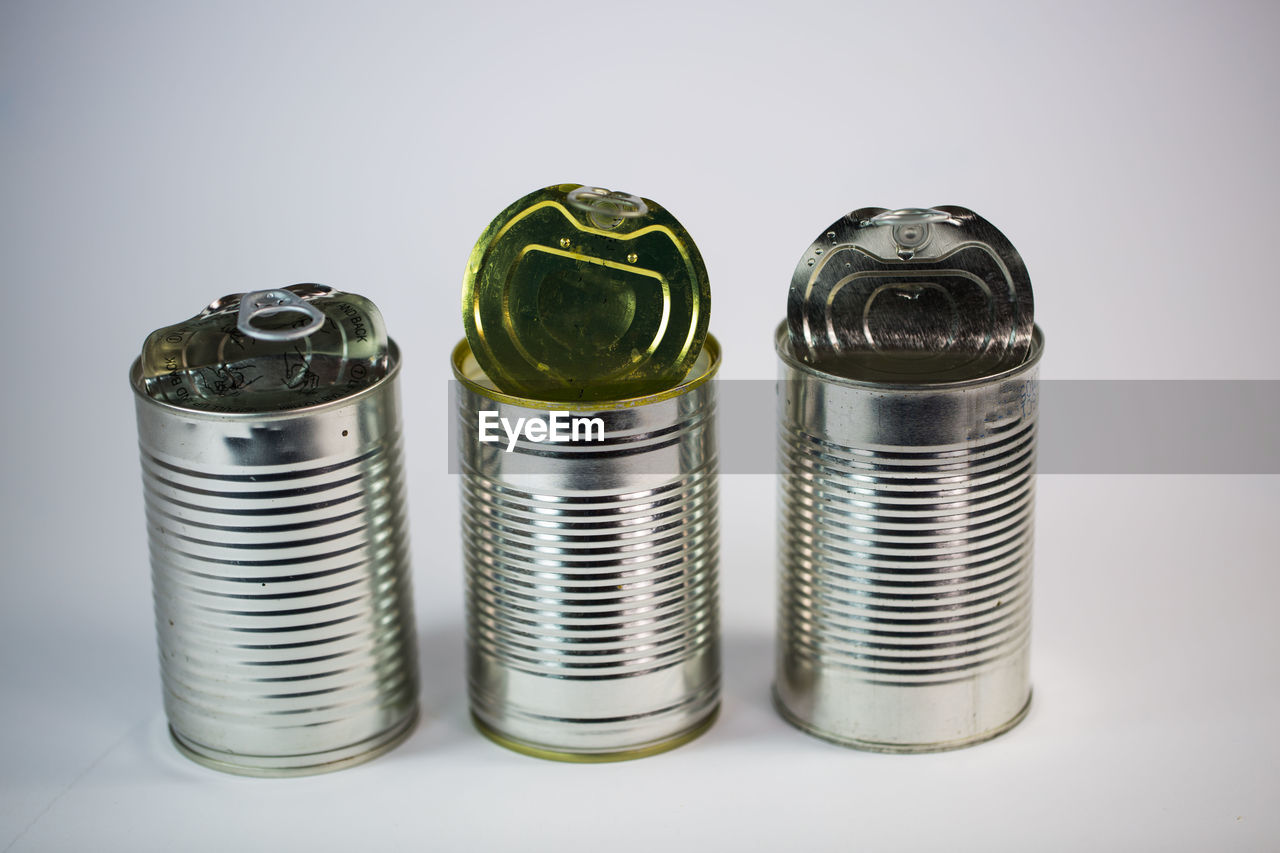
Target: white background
(154, 156)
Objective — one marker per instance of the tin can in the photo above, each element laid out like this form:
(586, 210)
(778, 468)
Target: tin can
(591, 569)
(905, 539)
(280, 565)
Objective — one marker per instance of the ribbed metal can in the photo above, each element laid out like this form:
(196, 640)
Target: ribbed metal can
(591, 570)
(905, 539)
(280, 566)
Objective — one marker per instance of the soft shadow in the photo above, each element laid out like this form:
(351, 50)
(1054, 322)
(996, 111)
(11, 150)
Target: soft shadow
(445, 721)
(746, 708)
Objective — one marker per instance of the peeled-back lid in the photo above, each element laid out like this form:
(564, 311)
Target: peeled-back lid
(911, 296)
(577, 293)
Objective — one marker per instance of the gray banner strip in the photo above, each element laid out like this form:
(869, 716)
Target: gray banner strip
(1085, 427)
(1159, 427)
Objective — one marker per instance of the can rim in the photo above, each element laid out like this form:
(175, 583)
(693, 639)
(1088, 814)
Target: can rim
(782, 345)
(393, 370)
(463, 348)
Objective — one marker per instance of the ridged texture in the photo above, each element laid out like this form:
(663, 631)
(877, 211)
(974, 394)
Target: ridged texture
(591, 568)
(591, 586)
(910, 567)
(283, 605)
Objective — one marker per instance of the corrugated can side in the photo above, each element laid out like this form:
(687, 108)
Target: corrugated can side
(591, 569)
(905, 547)
(280, 566)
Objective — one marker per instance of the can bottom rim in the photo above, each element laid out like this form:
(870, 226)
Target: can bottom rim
(383, 743)
(897, 748)
(628, 754)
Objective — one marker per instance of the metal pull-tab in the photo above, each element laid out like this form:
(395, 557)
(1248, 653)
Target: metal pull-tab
(268, 303)
(909, 216)
(912, 227)
(606, 209)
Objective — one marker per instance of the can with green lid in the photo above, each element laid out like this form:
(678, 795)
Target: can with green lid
(591, 561)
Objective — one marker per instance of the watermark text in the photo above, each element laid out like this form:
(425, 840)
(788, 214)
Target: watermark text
(556, 427)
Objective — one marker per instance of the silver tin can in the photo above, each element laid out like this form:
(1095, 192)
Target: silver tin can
(905, 540)
(591, 568)
(280, 565)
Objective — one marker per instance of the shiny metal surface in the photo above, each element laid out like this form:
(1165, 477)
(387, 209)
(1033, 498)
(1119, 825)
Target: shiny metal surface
(905, 540)
(592, 592)
(268, 303)
(280, 567)
(915, 295)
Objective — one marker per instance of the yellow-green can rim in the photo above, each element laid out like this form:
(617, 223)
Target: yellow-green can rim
(551, 754)
(706, 367)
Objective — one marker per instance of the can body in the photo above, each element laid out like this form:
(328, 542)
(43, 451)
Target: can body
(280, 566)
(591, 569)
(905, 547)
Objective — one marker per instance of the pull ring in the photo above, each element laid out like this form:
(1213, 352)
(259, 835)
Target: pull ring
(912, 227)
(909, 216)
(268, 303)
(606, 209)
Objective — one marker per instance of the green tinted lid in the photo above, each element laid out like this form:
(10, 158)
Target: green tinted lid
(579, 293)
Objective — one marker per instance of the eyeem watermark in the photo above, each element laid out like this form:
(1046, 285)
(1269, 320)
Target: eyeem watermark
(1084, 426)
(557, 427)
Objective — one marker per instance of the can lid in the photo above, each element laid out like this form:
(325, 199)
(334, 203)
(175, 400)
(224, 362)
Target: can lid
(911, 295)
(578, 293)
(268, 351)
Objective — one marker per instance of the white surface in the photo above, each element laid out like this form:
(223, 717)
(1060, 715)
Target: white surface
(155, 156)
